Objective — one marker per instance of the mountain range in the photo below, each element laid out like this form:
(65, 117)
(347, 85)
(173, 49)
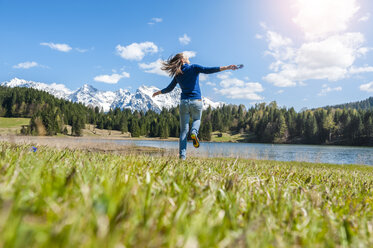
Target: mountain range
(141, 100)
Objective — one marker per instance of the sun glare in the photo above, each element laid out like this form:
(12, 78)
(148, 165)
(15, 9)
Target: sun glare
(318, 18)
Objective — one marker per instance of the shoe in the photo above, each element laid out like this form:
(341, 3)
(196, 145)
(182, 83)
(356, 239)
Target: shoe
(195, 140)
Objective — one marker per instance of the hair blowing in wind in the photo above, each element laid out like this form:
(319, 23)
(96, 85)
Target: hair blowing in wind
(173, 65)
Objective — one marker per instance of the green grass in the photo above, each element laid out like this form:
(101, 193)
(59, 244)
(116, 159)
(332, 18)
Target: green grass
(13, 122)
(231, 137)
(54, 198)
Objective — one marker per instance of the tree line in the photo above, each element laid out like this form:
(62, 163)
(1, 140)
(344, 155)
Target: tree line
(364, 104)
(48, 114)
(266, 123)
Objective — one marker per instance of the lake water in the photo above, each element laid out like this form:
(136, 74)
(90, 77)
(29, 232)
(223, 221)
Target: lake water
(308, 153)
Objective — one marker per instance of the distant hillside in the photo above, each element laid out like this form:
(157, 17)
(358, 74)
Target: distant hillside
(365, 105)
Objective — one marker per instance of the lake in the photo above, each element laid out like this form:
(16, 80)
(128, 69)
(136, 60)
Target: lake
(308, 153)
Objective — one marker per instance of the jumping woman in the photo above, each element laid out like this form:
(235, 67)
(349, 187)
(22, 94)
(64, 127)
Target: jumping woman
(187, 76)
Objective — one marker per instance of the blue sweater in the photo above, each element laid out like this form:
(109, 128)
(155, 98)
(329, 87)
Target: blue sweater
(189, 81)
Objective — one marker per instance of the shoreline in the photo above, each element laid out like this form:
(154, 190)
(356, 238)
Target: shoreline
(61, 137)
(114, 146)
(72, 144)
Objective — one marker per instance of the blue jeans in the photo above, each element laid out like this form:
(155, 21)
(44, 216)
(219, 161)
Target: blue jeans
(188, 108)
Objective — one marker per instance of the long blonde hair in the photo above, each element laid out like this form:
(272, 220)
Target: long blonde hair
(173, 65)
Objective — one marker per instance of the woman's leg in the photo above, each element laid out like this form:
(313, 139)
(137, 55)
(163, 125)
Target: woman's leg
(184, 128)
(196, 113)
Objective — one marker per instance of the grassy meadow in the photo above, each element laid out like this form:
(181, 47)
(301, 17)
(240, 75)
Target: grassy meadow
(13, 122)
(12, 125)
(76, 198)
(231, 137)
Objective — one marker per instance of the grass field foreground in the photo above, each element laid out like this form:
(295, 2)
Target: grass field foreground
(66, 198)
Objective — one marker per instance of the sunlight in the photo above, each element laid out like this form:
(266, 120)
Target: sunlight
(318, 18)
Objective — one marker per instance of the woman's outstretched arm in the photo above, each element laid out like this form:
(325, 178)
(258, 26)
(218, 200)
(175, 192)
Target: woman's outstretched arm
(209, 70)
(169, 88)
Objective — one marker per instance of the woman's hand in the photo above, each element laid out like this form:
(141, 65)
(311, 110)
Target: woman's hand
(232, 67)
(229, 67)
(157, 93)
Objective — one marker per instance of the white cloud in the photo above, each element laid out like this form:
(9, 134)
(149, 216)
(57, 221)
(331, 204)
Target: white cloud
(355, 70)
(26, 65)
(326, 89)
(155, 20)
(154, 67)
(280, 92)
(328, 51)
(58, 47)
(210, 83)
(279, 47)
(258, 36)
(363, 50)
(111, 79)
(184, 40)
(136, 51)
(190, 54)
(364, 18)
(320, 18)
(276, 40)
(239, 93)
(203, 77)
(237, 89)
(224, 75)
(81, 50)
(330, 58)
(367, 87)
(60, 87)
(263, 25)
(229, 82)
(282, 79)
(339, 51)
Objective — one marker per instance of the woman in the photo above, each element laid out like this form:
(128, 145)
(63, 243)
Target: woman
(186, 75)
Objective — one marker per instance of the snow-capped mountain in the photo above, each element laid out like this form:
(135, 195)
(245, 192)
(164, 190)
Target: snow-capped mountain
(90, 96)
(141, 100)
(58, 90)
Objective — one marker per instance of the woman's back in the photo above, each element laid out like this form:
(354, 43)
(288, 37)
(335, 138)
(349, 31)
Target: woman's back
(189, 80)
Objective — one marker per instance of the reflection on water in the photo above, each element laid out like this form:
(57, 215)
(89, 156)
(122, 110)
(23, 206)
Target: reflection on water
(308, 153)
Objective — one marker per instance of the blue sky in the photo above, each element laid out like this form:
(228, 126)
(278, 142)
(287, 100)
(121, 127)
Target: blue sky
(299, 53)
